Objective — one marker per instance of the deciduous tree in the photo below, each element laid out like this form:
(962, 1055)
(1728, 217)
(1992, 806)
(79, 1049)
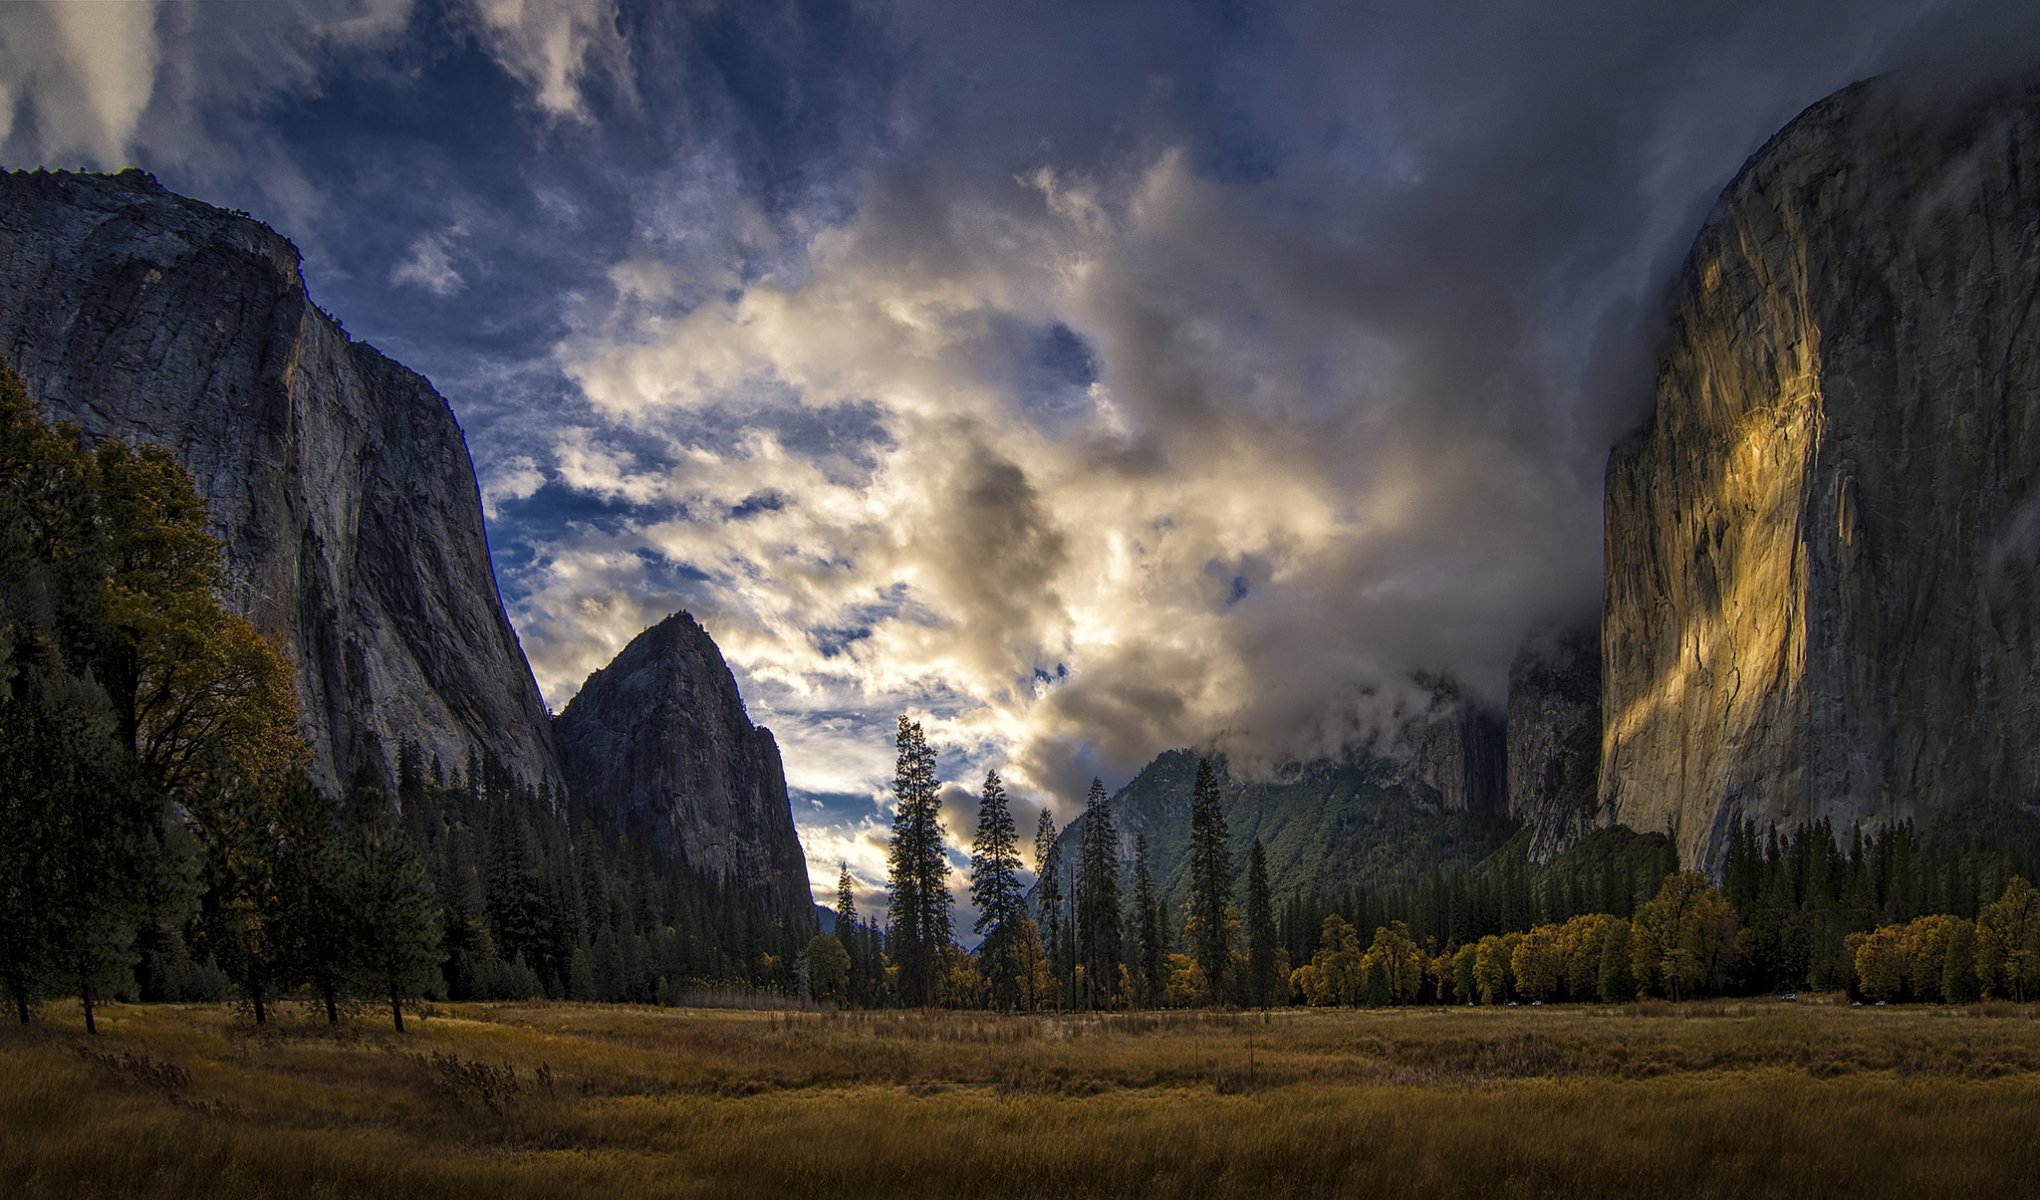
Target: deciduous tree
(2008, 942)
(1399, 960)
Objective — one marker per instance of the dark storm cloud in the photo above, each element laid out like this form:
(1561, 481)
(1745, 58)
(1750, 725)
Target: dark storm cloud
(1085, 379)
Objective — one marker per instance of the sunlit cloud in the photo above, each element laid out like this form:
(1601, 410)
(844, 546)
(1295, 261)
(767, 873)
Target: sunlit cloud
(1085, 381)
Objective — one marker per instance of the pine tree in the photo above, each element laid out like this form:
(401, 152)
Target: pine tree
(995, 889)
(235, 825)
(846, 931)
(1261, 941)
(846, 904)
(1098, 900)
(1048, 897)
(91, 839)
(1210, 883)
(1148, 948)
(596, 903)
(469, 953)
(311, 874)
(515, 887)
(50, 576)
(396, 926)
(919, 869)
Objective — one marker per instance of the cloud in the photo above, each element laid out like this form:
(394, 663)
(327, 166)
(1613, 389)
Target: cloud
(77, 78)
(429, 265)
(188, 85)
(516, 478)
(1221, 378)
(551, 46)
(1084, 380)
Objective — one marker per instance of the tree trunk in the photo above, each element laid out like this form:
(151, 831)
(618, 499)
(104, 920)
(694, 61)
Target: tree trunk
(19, 989)
(255, 998)
(85, 998)
(397, 1010)
(332, 1008)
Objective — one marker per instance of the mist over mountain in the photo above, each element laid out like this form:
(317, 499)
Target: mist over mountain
(1085, 383)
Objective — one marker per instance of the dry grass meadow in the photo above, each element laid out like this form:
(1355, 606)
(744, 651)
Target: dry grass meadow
(1708, 1100)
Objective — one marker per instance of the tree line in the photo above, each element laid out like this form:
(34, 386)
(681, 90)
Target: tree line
(1612, 920)
(161, 839)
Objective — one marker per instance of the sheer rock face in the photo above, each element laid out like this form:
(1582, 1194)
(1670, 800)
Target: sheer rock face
(338, 480)
(660, 736)
(1821, 551)
(1455, 757)
(1554, 735)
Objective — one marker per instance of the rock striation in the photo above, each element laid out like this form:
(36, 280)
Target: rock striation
(1554, 736)
(1822, 547)
(660, 736)
(338, 479)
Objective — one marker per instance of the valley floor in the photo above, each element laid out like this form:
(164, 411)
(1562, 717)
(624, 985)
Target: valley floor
(1722, 1099)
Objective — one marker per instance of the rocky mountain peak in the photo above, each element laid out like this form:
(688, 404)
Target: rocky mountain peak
(661, 736)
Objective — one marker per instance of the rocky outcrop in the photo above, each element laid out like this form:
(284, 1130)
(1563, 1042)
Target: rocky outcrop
(1453, 757)
(1554, 736)
(1822, 549)
(660, 737)
(338, 479)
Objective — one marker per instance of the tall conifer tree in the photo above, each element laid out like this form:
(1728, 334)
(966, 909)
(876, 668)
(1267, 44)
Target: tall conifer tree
(1048, 896)
(846, 929)
(919, 869)
(1148, 947)
(1098, 900)
(1210, 883)
(995, 889)
(396, 927)
(311, 883)
(846, 907)
(1261, 940)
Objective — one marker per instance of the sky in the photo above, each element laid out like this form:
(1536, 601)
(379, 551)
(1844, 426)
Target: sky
(1082, 379)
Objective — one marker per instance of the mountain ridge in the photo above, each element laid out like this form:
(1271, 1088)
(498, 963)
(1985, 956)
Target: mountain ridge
(341, 486)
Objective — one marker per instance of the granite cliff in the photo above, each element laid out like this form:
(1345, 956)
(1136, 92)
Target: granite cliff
(1822, 548)
(341, 487)
(338, 479)
(660, 737)
(1554, 736)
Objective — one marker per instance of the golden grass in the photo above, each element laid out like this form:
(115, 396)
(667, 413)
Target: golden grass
(1716, 1100)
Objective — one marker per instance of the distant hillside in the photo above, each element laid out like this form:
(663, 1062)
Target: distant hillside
(1325, 827)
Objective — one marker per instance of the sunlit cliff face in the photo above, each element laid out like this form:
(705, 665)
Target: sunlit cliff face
(1086, 380)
